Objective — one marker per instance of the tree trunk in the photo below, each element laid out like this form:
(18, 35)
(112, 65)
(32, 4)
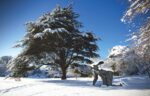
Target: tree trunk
(63, 65)
(64, 77)
(64, 71)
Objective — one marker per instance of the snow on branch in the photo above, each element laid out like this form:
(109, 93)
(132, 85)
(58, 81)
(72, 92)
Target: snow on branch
(55, 30)
(136, 7)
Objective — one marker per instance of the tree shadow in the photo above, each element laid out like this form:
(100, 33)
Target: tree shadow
(73, 83)
(127, 84)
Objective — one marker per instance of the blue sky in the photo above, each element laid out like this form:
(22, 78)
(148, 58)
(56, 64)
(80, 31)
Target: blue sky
(102, 17)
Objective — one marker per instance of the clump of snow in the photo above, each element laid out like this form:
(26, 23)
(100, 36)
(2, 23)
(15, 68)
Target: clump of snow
(39, 35)
(49, 30)
(55, 30)
(134, 37)
(118, 50)
(105, 68)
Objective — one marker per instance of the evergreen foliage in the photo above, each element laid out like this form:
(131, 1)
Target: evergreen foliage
(56, 35)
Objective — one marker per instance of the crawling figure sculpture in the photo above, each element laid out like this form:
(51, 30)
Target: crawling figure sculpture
(106, 76)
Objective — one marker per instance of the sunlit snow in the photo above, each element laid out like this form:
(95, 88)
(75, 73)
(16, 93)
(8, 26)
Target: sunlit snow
(132, 86)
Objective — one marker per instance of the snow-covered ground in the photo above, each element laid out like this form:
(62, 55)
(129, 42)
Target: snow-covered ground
(132, 86)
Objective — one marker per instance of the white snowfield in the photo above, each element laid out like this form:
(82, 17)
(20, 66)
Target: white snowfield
(132, 86)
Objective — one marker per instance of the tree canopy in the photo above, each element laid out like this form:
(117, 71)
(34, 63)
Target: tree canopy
(142, 37)
(56, 38)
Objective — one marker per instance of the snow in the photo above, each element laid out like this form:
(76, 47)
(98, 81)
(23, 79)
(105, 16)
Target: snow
(105, 68)
(132, 86)
(55, 30)
(39, 35)
(134, 37)
(46, 30)
(118, 50)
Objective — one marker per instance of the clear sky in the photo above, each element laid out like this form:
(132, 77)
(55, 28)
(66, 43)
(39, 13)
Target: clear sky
(102, 17)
